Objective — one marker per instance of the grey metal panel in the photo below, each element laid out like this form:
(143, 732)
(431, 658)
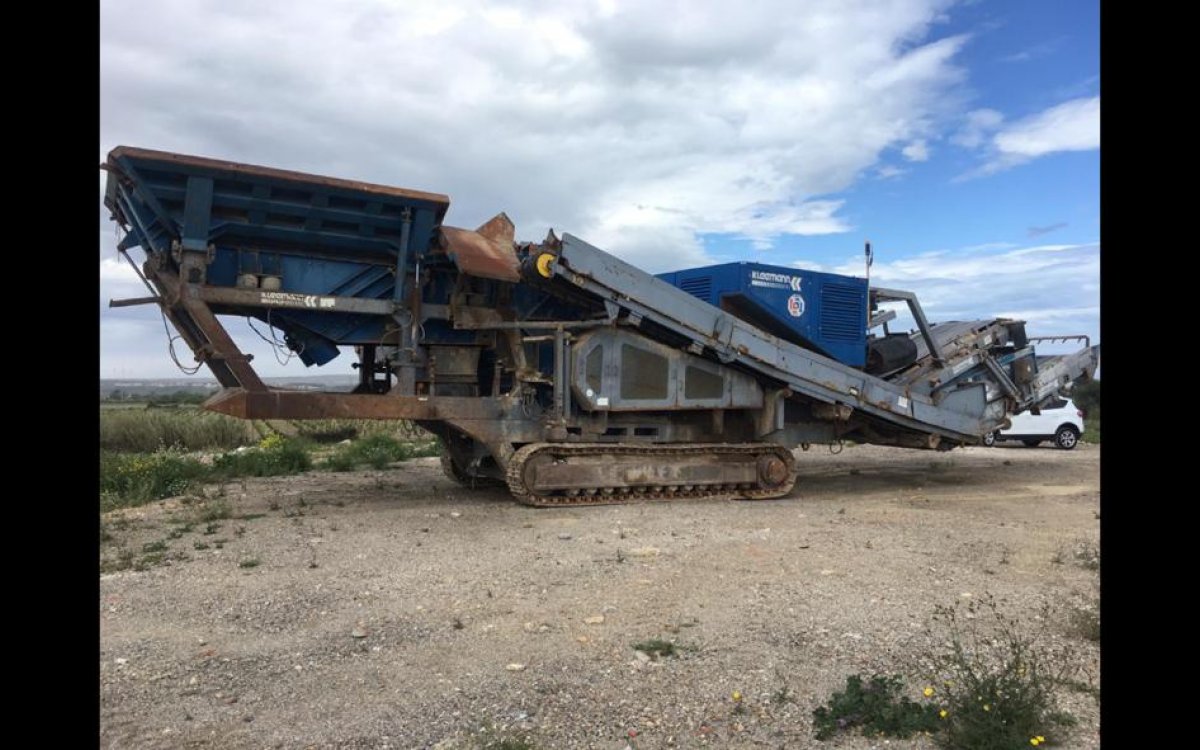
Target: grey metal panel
(740, 391)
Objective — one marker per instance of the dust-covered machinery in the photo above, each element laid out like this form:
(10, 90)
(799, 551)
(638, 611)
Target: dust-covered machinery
(555, 368)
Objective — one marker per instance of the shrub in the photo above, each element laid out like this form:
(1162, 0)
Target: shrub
(377, 451)
(999, 679)
(275, 456)
(876, 707)
(1083, 620)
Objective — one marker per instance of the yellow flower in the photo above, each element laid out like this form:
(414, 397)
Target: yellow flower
(1035, 742)
(943, 713)
(986, 707)
(928, 692)
(737, 695)
(1040, 738)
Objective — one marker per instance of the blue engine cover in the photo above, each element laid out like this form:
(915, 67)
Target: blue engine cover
(820, 311)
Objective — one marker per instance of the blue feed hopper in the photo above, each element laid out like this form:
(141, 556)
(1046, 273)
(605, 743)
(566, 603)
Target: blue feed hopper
(278, 230)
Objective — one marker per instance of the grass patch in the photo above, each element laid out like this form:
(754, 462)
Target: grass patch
(213, 510)
(326, 431)
(145, 562)
(150, 430)
(128, 480)
(253, 562)
(274, 456)
(131, 479)
(377, 451)
(123, 560)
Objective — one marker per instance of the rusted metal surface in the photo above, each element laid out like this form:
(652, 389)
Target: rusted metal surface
(201, 330)
(273, 403)
(486, 252)
(236, 168)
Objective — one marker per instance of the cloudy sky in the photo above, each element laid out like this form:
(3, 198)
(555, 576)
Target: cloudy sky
(961, 138)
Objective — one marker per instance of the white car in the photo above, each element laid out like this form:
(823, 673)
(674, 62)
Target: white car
(1061, 422)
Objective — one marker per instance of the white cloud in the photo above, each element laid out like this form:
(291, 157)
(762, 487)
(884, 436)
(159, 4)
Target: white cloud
(978, 124)
(1053, 287)
(1034, 52)
(888, 172)
(568, 116)
(636, 126)
(1070, 126)
(916, 151)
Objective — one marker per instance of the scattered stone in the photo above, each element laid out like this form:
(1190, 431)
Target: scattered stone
(642, 656)
(644, 552)
(594, 620)
(564, 536)
(455, 514)
(515, 667)
(358, 632)
(122, 662)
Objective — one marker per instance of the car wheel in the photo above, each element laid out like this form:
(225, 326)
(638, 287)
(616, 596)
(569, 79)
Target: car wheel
(1066, 438)
(1032, 443)
(989, 439)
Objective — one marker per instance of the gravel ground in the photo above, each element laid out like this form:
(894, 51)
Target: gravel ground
(394, 609)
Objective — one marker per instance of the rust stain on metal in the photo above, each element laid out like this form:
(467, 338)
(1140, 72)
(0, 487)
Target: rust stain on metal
(276, 403)
(486, 252)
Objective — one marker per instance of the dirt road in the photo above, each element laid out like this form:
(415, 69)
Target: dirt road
(394, 609)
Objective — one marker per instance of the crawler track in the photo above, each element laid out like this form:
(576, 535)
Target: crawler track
(566, 474)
